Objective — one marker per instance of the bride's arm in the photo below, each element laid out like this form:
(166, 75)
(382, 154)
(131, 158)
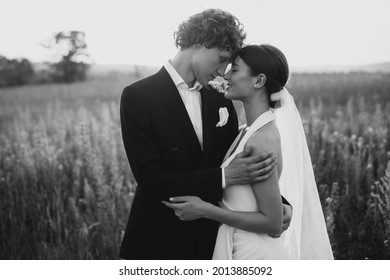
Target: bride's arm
(267, 220)
(188, 208)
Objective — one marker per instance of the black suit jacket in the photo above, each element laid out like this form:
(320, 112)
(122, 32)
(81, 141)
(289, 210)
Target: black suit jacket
(167, 160)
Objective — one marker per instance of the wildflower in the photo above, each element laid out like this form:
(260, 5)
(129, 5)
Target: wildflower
(360, 142)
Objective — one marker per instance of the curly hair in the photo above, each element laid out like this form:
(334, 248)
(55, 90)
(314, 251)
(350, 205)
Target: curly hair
(211, 28)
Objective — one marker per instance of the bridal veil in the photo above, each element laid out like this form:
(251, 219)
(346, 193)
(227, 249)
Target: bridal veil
(307, 236)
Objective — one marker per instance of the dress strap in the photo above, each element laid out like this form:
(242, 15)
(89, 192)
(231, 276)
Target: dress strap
(242, 138)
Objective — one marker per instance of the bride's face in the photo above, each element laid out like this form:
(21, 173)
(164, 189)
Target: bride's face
(240, 80)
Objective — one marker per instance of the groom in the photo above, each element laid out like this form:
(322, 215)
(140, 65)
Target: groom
(176, 131)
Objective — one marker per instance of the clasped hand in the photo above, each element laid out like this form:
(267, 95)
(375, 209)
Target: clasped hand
(187, 208)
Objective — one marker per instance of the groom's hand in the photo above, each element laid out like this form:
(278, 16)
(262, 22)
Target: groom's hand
(246, 169)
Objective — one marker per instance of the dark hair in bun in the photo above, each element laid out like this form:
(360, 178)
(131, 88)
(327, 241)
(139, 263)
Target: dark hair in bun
(270, 61)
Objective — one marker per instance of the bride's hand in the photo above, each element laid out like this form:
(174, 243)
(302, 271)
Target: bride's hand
(187, 208)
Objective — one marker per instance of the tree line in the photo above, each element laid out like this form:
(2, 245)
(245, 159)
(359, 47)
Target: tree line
(71, 64)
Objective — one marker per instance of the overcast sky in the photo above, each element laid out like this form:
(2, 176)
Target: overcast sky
(309, 32)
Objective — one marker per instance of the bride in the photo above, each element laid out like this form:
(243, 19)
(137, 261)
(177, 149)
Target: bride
(251, 214)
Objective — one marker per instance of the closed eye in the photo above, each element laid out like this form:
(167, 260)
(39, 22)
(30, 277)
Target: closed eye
(235, 67)
(223, 59)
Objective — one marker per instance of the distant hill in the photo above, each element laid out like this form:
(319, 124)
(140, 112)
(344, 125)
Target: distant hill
(378, 67)
(101, 69)
(370, 68)
(98, 69)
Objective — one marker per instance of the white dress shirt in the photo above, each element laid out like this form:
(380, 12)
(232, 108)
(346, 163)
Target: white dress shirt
(193, 102)
(191, 98)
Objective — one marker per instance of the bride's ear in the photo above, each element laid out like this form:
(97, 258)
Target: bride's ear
(260, 81)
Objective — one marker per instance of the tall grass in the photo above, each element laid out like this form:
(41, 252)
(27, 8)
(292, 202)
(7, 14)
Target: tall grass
(65, 183)
(66, 186)
(351, 160)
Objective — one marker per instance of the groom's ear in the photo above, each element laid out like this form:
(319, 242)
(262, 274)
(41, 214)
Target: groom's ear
(260, 81)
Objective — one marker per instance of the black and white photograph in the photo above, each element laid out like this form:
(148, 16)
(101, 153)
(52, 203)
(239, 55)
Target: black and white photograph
(138, 130)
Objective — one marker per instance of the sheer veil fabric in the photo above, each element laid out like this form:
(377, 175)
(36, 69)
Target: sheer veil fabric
(307, 236)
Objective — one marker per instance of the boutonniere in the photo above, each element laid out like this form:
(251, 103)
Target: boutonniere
(223, 117)
(219, 84)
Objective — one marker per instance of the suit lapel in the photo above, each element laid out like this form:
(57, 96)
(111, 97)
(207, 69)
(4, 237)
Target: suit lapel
(169, 96)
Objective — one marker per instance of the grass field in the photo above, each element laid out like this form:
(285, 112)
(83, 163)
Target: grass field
(66, 186)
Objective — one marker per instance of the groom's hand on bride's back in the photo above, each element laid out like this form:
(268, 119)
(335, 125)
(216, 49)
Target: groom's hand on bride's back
(246, 168)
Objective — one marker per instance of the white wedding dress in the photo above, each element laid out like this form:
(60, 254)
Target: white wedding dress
(236, 244)
(306, 237)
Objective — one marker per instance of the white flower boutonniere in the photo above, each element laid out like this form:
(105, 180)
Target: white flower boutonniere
(223, 117)
(219, 84)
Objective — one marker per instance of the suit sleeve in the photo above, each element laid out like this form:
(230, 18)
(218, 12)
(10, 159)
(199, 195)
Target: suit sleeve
(145, 160)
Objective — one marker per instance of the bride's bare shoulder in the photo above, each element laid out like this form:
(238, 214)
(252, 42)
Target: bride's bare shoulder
(266, 139)
(267, 135)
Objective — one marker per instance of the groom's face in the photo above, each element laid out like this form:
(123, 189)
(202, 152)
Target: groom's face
(209, 63)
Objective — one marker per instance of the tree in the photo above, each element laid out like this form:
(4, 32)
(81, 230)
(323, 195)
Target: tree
(14, 72)
(72, 49)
